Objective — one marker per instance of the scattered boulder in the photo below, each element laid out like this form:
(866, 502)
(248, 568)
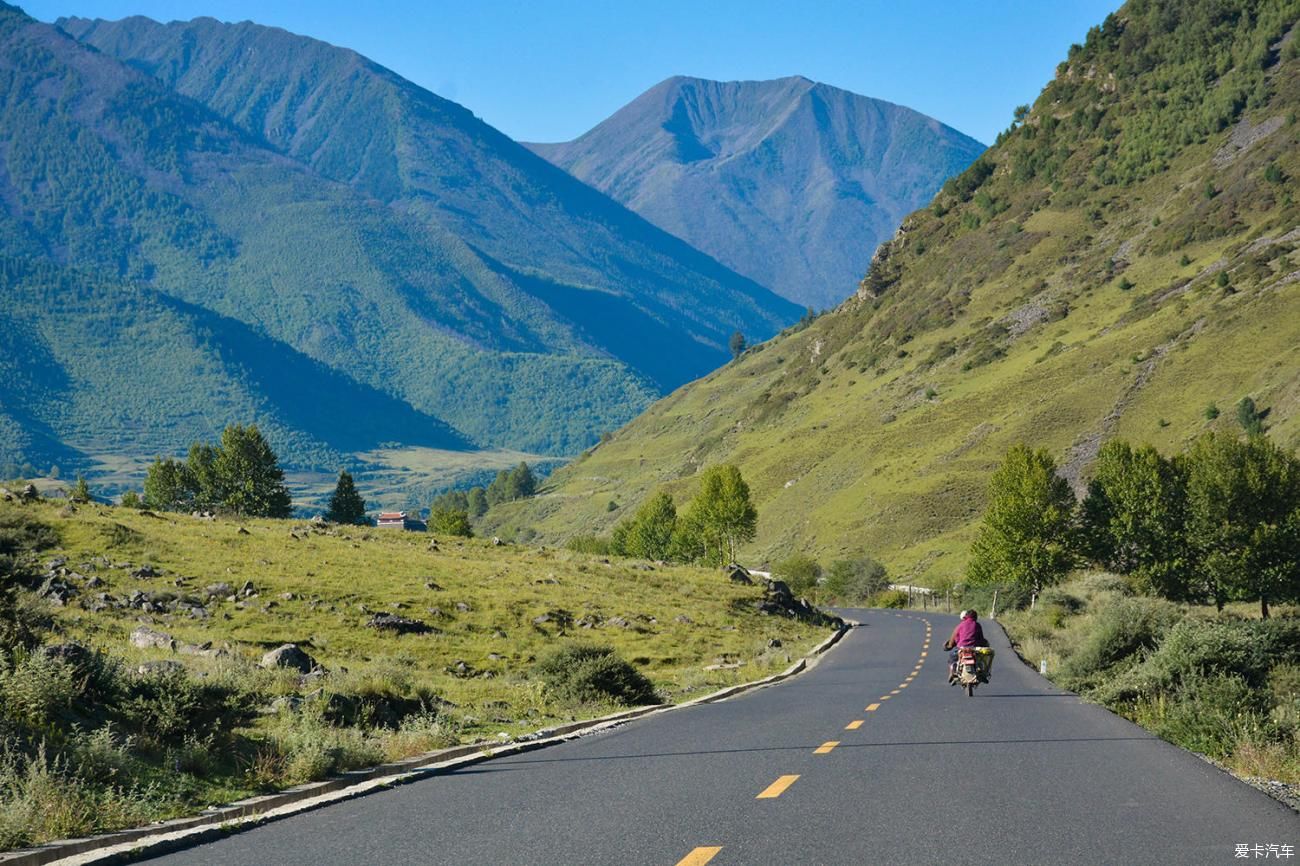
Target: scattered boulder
(146, 572)
(683, 619)
(248, 590)
(288, 655)
(431, 585)
(159, 668)
(219, 590)
(57, 591)
(70, 652)
(463, 607)
(737, 574)
(29, 493)
(203, 515)
(774, 643)
(146, 638)
(242, 531)
(284, 703)
(398, 624)
(461, 669)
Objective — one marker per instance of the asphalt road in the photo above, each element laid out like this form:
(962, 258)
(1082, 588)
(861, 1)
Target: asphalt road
(870, 757)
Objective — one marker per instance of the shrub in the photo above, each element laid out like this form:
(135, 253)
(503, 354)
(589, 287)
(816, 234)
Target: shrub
(1122, 629)
(1059, 598)
(1211, 715)
(1195, 649)
(590, 544)
(169, 707)
(893, 599)
(581, 674)
(801, 572)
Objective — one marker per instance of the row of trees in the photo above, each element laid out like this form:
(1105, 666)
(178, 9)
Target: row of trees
(451, 513)
(718, 519)
(240, 475)
(1219, 522)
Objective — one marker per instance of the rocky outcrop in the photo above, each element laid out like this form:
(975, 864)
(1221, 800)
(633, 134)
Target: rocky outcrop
(391, 622)
(778, 600)
(288, 655)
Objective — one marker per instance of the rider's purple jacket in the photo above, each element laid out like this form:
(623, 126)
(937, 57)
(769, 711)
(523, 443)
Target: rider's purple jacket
(968, 633)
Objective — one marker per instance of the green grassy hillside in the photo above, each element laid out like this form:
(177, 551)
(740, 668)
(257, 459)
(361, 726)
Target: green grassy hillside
(1122, 258)
(192, 719)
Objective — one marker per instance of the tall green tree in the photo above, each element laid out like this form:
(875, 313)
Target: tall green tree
(721, 516)
(1025, 536)
(1135, 516)
(346, 505)
(247, 474)
(512, 484)
(202, 475)
(476, 502)
(169, 485)
(1243, 503)
(649, 532)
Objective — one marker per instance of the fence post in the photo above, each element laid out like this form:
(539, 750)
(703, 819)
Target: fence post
(993, 614)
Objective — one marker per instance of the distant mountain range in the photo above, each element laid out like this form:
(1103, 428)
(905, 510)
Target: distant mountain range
(203, 223)
(789, 182)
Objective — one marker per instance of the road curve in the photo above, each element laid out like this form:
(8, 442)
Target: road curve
(868, 758)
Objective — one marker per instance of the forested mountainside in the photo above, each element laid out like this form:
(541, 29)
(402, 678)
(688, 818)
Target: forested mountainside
(167, 270)
(576, 255)
(790, 182)
(1121, 263)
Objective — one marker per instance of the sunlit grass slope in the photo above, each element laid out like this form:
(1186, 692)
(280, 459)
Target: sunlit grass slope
(1118, 262)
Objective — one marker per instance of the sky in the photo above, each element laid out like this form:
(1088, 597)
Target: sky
(549, 70)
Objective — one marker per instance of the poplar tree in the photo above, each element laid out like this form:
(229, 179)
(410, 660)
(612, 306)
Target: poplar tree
(1243, 504)
(1025, 536)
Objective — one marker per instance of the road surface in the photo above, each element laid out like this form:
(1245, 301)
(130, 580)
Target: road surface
(870, 757)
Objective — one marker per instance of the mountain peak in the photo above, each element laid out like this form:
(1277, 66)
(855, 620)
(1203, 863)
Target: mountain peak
(789, 181)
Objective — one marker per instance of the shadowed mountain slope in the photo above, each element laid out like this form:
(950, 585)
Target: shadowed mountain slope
(358, 123)
(1123, 262)
(790, 182)
(432, 322)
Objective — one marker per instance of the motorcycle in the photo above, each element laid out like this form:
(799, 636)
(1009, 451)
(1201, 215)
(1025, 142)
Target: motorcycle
(973, 667)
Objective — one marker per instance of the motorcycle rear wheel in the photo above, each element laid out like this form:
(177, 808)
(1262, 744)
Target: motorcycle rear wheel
(970, 690)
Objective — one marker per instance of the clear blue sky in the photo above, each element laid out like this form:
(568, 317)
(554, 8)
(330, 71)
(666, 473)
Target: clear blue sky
(548, 70)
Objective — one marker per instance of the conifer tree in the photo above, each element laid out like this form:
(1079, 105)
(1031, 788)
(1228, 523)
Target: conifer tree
(346, 505)
(246, 475)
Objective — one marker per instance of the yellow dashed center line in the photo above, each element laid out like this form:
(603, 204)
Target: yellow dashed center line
(871, 708)
(853, 725)
(699, 856)
(894, 692)
(923, 653)
(777, 788)
(886, 697)
(903, 685)
(825, 748)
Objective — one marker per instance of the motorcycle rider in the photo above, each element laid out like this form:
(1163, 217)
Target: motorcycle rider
(968, 633)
